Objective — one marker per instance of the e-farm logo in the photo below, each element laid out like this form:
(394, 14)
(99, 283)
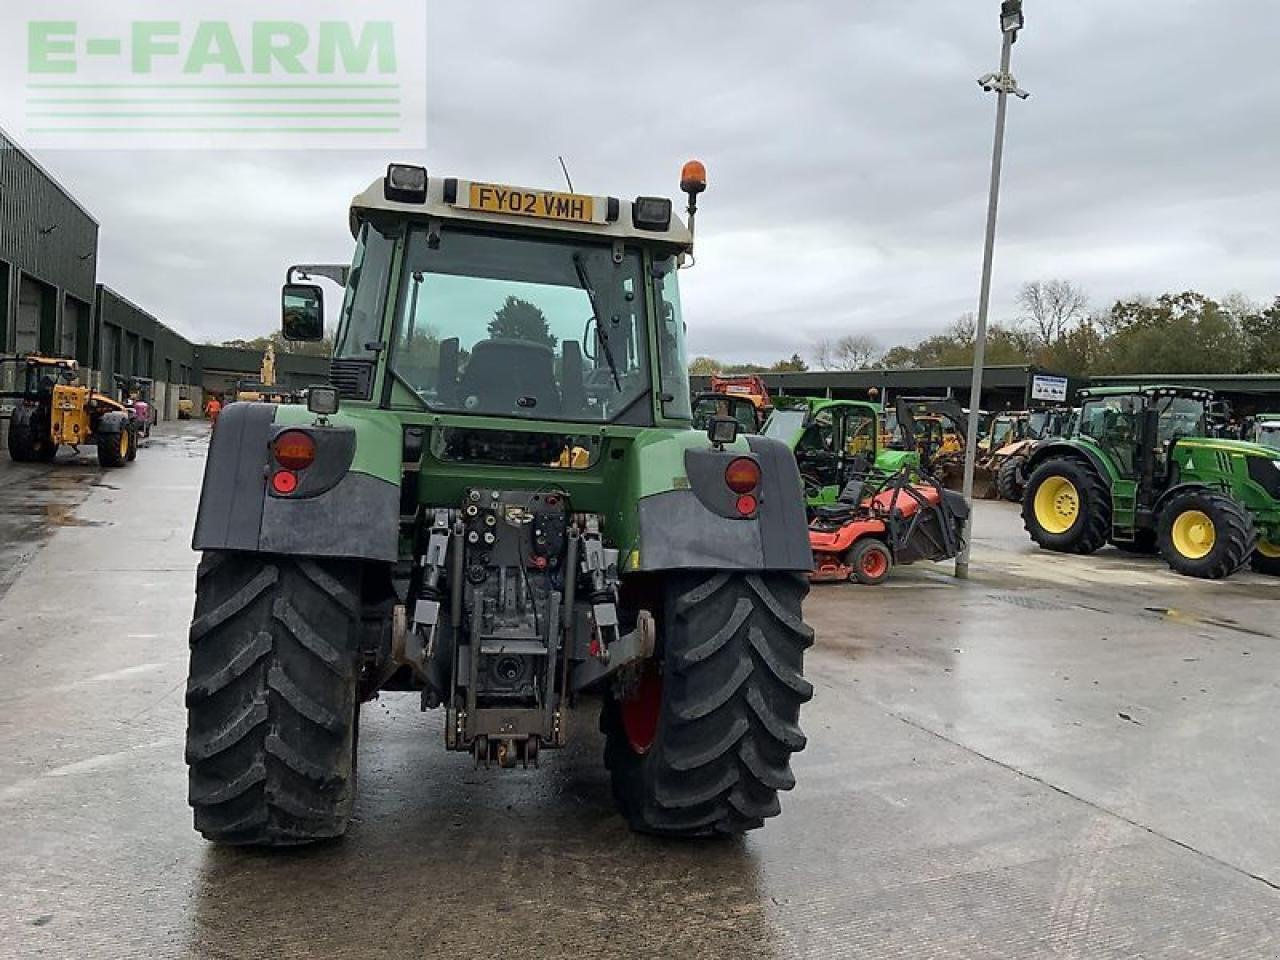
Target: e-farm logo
(153, 74)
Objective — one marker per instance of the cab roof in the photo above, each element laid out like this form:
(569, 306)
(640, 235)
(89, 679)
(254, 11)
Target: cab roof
(447, 200)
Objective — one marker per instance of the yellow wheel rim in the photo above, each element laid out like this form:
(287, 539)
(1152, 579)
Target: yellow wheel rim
(124, 443)
(1193, 534)
(1269, 550)
(1057, 505)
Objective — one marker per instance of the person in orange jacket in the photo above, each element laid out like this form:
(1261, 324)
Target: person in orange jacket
(212, 409)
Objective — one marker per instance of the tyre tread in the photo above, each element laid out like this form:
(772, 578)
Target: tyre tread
(272, 699)
(730, 708)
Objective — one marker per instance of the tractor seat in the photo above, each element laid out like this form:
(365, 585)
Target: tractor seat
(503, 375)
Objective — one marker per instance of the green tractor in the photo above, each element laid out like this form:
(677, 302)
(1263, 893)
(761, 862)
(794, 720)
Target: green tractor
(1139, 472)
(831, 440)
(499, 505)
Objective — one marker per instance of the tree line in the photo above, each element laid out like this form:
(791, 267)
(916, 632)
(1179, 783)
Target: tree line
(1056, 328)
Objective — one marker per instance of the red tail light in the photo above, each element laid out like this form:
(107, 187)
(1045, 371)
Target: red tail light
(284, 482)
(294, 450)
(742, 475)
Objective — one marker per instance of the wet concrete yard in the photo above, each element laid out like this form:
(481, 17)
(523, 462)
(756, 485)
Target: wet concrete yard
(1063, 757)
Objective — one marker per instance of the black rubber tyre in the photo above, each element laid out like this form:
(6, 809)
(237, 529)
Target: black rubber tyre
(272, 708)
(133, 445)
(1262, 563)
(114, 449)
(1143, 543)
(1010, 480)
(732, 685)
(1092, 525)
(872, 562)
(29, 440)
(1234, 535)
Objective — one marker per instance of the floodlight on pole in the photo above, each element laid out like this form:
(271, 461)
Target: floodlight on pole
(1002, 84)
(1011, 18)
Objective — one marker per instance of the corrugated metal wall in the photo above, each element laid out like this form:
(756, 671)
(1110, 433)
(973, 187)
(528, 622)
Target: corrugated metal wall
(52, 242)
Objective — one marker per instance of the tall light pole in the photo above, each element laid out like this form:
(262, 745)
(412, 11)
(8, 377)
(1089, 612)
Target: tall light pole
(1011, 21)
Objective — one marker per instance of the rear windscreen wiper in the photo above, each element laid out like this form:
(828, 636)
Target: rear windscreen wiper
(601, 337)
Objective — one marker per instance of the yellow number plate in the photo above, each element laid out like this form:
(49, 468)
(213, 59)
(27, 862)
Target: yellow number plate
(493, 198)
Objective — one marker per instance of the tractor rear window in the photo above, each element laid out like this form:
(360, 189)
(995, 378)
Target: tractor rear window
(523, 327)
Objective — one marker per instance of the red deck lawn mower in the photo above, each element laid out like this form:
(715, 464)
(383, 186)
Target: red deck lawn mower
(880, 521)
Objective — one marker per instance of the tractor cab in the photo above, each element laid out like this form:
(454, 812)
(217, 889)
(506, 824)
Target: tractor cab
(828, 438)
(40, 375)
(1138, 430)
(1265, 430)
(1006, 428)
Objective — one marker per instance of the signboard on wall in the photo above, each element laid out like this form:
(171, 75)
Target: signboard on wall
(1053, 389)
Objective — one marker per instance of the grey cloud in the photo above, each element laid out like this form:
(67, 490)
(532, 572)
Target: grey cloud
(847, 145)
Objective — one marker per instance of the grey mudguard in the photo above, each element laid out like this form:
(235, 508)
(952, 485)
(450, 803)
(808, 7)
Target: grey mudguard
(112, 422)
(677, 531)
(358, 517)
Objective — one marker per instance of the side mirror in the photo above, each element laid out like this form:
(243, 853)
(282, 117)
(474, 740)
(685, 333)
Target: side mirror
(302, 312)
(722, 430)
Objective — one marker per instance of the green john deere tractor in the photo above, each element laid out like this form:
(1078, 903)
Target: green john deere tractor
(831, 440)
(500, 505)
(1139, 472)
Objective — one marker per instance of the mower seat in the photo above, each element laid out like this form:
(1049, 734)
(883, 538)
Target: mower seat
(849, 500)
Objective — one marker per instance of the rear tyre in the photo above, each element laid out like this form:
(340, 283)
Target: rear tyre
(870, 562)
(1010, 480)
(272, 705)
(1205, 534)
(1066, 507)
(704, 745)
(29, 440)
(1266, 558)
(114, 448)
(133, 445)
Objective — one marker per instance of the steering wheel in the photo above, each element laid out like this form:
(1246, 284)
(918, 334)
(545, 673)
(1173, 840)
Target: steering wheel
(812, 487)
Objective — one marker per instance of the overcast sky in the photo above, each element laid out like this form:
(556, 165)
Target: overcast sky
(847, 145)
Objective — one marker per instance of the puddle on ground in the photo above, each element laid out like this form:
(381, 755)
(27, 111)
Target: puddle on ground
(1186, 616)
(61, 515)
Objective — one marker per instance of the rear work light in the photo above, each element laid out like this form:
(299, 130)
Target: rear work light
(294, 450)
(651, 213)
(742, 475)
(405, 183)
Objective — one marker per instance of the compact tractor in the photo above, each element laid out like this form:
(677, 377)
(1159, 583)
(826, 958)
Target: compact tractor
(1139, 472)
(830, 439)
(55, 409)
(500, 505)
